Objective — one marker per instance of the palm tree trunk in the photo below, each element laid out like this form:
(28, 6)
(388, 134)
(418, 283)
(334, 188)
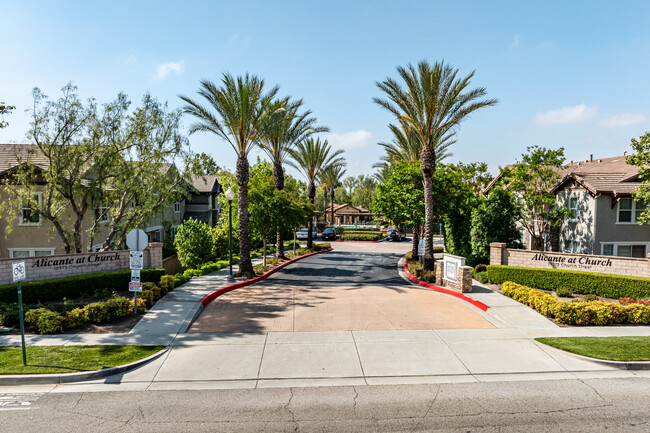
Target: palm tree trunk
(311, 194)
(278, 176)
(428, 165)
(332, 204)
(416, 241)
(325, 205)
(245, 264)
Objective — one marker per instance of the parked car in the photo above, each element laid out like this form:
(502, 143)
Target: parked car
(303, 234)
(328, 235)
(395, 235)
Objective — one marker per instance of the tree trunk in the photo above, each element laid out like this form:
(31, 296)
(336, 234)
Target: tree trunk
(325, 205)
(416, 241)
(311, 194)
(278, 176)
(332, 204)
(245, 264)
(428, 165)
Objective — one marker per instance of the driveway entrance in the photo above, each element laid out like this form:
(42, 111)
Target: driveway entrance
(355, 287)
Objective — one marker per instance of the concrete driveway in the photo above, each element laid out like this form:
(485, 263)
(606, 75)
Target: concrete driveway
(356, 287)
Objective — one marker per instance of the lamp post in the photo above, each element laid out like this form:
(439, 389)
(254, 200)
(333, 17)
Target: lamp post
(229, 196)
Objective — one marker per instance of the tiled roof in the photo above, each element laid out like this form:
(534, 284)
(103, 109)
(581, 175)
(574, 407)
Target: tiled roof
(13, 154)
(602, 176)
(207, 183)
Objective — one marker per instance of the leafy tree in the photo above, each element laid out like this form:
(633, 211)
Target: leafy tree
(310, 157)
(532, 179)
(400, 198)
(432, 104)
(193, 243)
(90, 162)
(5, 109)
(495, 220)
(641, 158)
(331, 176)
(236, 113)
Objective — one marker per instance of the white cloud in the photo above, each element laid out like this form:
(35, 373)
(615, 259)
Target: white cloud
(565, 115)
(164, 69)
(623, 119)
(349, 140)
(515, 42)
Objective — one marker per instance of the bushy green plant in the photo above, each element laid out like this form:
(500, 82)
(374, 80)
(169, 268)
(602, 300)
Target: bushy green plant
(50, 322)
(564, 292)
(119, 306)
(590, 298)
(167, 283)
(32, 316)
(193, 243)
(105, 293)
(322, 246)
(97, 312)
(147, 295)
(180, 279)
(603, 285)
(189, 273)
(361, 236)
(155, 291)
(75, 318)
(480, 268)
(482, 276)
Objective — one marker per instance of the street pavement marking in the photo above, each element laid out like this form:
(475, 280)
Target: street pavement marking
(18, 401)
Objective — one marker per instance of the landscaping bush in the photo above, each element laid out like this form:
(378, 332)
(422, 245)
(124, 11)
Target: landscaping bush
(480, 268)
(482, 276)
(119, 306)
(97, 312)
(189, 273)
(10, 314)
(634, 301)
(564, 292)
(360, 229)
(155, 290)
(180, 279)
(603, 285)
(590, 298)
(50, 322)
(32, 316)
(147, 296)
(55, 289)
(75, 318)
(578, 313)
(322, 246)
(167, 283)
(361, 236)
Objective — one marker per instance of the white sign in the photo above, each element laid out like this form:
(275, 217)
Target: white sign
(137, 240)
(135, 287)
(135, 275)
(135, 259)
(18, 270)
(451, 264)
(421, 247)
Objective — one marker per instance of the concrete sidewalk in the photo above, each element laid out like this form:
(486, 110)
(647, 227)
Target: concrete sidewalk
(277, 359)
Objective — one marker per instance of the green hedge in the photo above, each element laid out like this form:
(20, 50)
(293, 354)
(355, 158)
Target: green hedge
(35, 292)
(360, 229)
(603, 285)
(361, 237)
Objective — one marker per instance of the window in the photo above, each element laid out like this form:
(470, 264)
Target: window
(631, 251)
(573, 208)
(15, 253)
(173, 234)
(177, 207)
(28, 217)
(571, 246)
(102, 213)
(608, 249)
(629, 210)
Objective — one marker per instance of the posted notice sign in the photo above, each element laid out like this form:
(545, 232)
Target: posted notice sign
(135, 259)
(18, 270)
(135, 276)
(421, 247)
(135, 287)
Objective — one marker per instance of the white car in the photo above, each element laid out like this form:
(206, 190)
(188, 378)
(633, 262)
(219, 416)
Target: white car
(303, 234)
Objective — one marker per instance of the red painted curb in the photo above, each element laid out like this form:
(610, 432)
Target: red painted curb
(368, 242)
(210, 297)
(474, 302)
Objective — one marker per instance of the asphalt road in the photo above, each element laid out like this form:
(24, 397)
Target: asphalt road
(613, 405)
(355, 287)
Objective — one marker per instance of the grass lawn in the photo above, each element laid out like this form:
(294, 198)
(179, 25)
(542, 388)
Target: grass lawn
(610, 348)
(70, 359)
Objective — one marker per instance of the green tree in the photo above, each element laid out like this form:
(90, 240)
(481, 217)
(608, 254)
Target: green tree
(5, 109)
(310, 157)
(533, 179)
(400, 198)
(641, 159)
(236, 114)
(282, 129)
(331, 176)
(433, 103)
(193, 243)
(495, 220)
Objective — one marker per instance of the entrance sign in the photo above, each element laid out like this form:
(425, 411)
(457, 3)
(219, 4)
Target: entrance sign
(137, 240)
(18, 270)
(135, 287)
(135, 260)
(451, 264)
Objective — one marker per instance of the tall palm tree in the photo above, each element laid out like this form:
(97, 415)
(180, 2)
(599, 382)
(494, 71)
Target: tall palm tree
(235, 113)
(433, 103)
(331, 176)
(310, 156)
(283, 128)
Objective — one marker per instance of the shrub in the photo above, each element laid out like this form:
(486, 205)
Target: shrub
(482, 276)
(56, 289)
(167, 283)
(480, 268)
(97, 312)
(10, 314)
(155, 291)
(50, 322)
(119, 306)
(189, 273)
(634, 301)
(322, 246)
(141, 306)
(32, 316)
(193, 243)
(75, 318)
(603, 285)
(590, 298)
(564, 292)
(180, 279)
(361, 237)
(147, 296)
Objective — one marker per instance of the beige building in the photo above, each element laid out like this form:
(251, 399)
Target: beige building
(348, 215)
(32, 236)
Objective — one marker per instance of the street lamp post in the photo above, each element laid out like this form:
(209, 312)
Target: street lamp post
(229, 196)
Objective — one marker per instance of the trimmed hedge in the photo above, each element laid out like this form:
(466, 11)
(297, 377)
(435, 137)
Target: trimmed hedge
(359, 229)
(603, 285)
(361, 236)
(578, 313)
(35, 292)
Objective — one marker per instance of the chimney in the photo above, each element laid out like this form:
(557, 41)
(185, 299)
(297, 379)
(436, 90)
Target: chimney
(591, 157)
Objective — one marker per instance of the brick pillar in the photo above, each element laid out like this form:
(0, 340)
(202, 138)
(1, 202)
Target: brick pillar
(464, 278)
(439, 270)
(497, 249)
(152, 256)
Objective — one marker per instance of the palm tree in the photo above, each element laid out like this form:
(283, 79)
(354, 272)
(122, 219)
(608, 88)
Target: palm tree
(331, 176)
(283, 128)
(235, 113)
(310, 157)
(433, 104)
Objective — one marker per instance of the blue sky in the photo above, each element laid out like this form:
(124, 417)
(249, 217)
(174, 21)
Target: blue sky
(572, 74)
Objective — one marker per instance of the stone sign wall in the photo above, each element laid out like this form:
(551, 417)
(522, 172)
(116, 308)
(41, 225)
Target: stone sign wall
(500, 255)
(65, 265)
(452, 273)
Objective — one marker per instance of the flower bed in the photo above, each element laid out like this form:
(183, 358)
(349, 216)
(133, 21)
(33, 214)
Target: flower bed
(579, 313)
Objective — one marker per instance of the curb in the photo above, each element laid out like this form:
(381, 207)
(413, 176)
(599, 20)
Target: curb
(211, 296)
(433, 287)
(367, 242)
(621, 365)
(58, 378)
